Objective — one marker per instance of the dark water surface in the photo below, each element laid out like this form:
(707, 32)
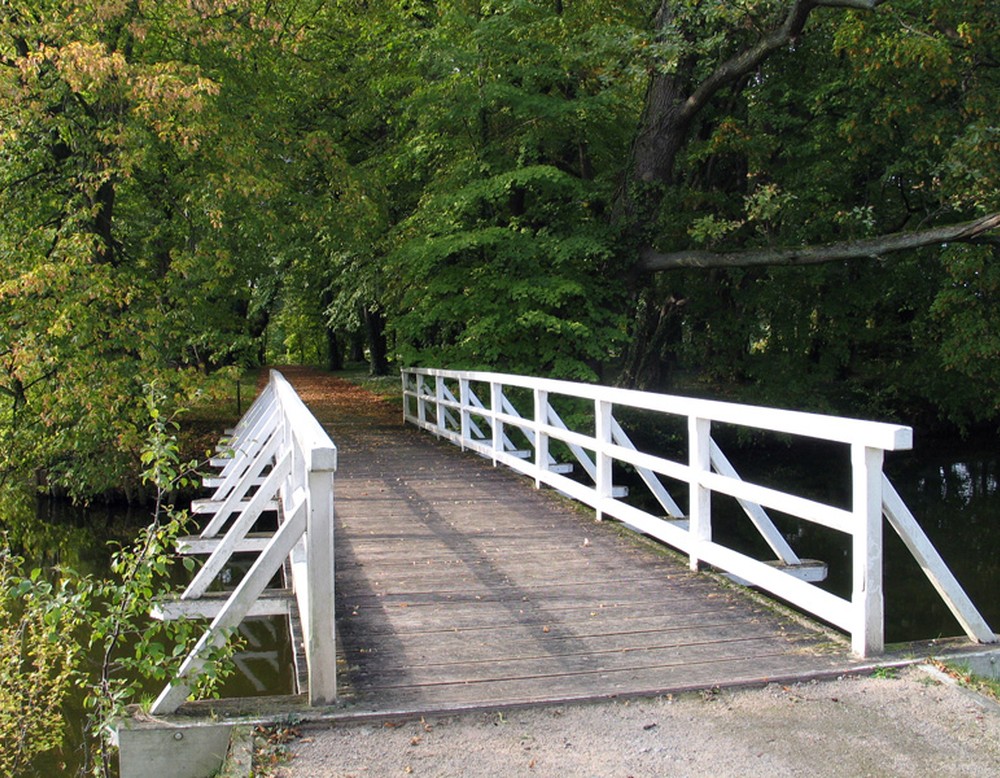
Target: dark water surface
(52, 533)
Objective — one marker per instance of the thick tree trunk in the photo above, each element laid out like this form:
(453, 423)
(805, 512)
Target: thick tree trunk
(378, 360)
(334, 353)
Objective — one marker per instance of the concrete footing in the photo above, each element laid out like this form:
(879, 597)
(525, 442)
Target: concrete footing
(159, 749)
(985, 664)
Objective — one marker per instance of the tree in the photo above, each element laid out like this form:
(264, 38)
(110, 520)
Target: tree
(133, 233)
(786, 133)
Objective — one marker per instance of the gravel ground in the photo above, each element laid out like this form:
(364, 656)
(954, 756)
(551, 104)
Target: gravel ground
(913, 724)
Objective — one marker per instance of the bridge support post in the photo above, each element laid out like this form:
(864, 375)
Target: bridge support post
(700, 499)
(867, 634)
(541, 436)
(322, 652)
(496, 408)
(603, 481)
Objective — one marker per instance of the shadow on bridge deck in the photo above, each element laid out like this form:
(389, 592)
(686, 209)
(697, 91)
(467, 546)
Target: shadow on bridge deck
(459, 586)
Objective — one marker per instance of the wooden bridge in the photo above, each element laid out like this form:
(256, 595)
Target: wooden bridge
(461, 585)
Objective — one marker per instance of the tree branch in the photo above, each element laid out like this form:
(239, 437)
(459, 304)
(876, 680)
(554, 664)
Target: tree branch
(651, 261)
(861, 5)
(747, 60)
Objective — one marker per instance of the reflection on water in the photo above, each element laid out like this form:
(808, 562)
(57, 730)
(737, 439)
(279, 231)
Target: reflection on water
(51, 534)
(959, 482)
(955, 497)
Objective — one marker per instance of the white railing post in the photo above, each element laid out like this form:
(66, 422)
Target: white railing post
(464, 415)
(867, 635)
(496, 408)
(322, 649)
(603, 482)
(541, 436)
(403, 374)
(700, 497)
(421, 401)
(439, 403)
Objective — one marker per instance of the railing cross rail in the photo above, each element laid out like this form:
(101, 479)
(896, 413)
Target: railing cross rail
(278, 435)
(428, 403)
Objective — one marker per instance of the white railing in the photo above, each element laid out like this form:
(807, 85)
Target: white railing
(280, 459)
(475, 411)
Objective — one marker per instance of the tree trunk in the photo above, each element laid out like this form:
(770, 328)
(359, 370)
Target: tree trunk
(378, 361)
(334, 353)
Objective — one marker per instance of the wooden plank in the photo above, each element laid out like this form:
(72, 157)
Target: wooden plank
(273, 602)
(212, 506)
(195, 544)
(449, 573)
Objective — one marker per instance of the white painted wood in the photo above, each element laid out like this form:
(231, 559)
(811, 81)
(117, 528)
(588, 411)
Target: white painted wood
(656, 464)
(321, 646)
(903, 522)
(191, 545)
(213, 482)
(242, 431)
(867, 636)
(543, 459)
(240, 527)
(478, 408)
(602, 437)
(890, 437)
(816, 512)
(811, 570)
(862, 616)
(700, 500)
(557, 429)
(259, 461)
(212, 506)
(806, 596)
(439, 401)
(234, 611)
(318, 451)
(757, 514)
(271, 602)
(465, 418)
(281, 434)
(496, 402)
(244, 449)
(653, 483)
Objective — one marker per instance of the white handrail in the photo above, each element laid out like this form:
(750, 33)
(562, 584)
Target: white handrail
(281, 450)
(430, 403)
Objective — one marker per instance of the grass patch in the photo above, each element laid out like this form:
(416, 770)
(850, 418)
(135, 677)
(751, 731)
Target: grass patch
(222, 400)
(388, 387)
(988, 687)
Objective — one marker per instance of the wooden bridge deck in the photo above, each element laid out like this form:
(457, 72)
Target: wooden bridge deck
(460, 586)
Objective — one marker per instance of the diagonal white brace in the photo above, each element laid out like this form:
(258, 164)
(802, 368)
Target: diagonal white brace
(235, 609)
(218, 558)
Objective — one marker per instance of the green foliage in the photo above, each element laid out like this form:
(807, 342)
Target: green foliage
(133, 226)
(132, 648)
(95, 633)
(188, 186)
(872, 123)
(38, 661)
(507, 258)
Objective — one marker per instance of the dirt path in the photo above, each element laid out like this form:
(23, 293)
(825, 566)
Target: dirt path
(909, 723)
